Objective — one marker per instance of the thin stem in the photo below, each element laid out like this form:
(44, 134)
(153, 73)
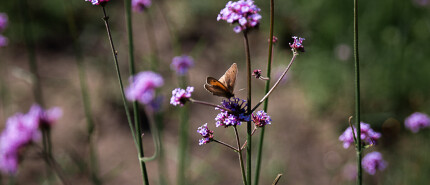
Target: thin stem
(266, 103)
(246, 142)
(156, 138)
(357, 95)
(276, 84)
(115, 53)
(277, 179)
(240, 156)
(225, 144)
(209, 104)
(352, 129)
(183, 138)
(248, 125)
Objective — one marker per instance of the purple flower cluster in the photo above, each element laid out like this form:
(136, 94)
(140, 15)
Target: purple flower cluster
(256, 73)
(417, 121)
(181, 64)
(372, 162)
(368, 136)
(205, 133)
(98, 2)
(142, 86)
(3, 25)
(21, 130)
(235, 115)
(140, 5)
(181, 96)
(243, 12)
(298, 44)
(261, 118)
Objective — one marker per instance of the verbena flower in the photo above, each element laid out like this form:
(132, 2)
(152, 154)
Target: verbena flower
(45, 118)
(235, 116)
(98, 2)
(20, 131)
(256, 73)
(417, 121)
(261, 118)
(368, 136)
(3, 21)
(298, 44)
(205, 133)
(142, 86)
(181, 96)
(156, 103)
(3, 41)
(372, 162)
(242, 12)
(140, 5)
(181, 64)
(274, 40)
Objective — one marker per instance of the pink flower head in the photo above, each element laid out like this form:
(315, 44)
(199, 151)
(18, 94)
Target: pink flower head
(181, 96)
(242, 12)
(297, 45)
(372, 162)
(181, 64)
(368, 136)
(205, 133)
(20, 131)
(3, 21)
(45, 118)
(3, 41)
(140, 5)
(261, 119)
(417, 121)
(98, 2)
(142, 86)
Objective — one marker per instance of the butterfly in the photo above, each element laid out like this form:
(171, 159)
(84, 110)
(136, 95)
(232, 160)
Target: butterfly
(225, 85)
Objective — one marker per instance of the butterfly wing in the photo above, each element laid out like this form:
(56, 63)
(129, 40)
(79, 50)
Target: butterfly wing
(217, 88)
(229, 78)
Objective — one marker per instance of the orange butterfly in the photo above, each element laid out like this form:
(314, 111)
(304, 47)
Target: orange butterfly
(225, 85)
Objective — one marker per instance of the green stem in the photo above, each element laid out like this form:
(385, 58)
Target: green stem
(225, 144)
(248, 125)
(266, 103)
(114, 53)
(128, 17)
(357, 95)
(242, 168)
(277, 179)
(183, 138)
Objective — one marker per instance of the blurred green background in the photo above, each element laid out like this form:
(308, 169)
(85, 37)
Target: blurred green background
(309, 111)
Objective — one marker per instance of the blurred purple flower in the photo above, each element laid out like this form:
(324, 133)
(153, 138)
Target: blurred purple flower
(261, 118)
(181, 64)
(372, 162)
(3, 41)
(417, 121)
(98, 2)
(349, 172)
(274, 40)
(205, 133)
(45, 118)
(243, 12)
(156, 103)
(298, 44)
(235, 116)
(140, 5)
(20, 130)
(181, 96)
(368, 136)
(142, 86)
(3, 21)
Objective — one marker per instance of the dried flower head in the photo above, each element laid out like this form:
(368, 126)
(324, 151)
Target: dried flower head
(140, 5)
(417, 121)
(297, 45)
(205, 133)
(3, 21)
(181, 96)
(235, 115)
(372, 162)
(243, 12)
(368, 136)
(261, 119)
(142, 86)
(181, 64)
(256, 73)
(98, 2)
